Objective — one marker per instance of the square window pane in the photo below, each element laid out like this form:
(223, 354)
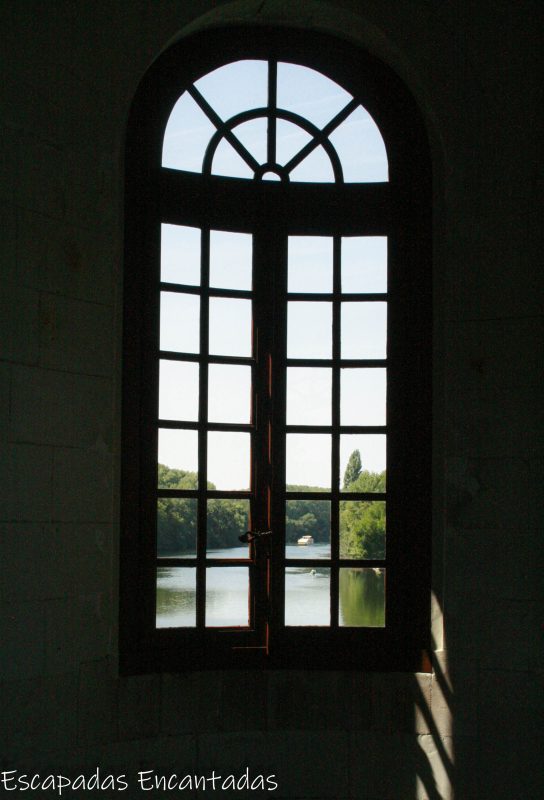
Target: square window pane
(176, 527)
(362, 598)
(307, 596)
(226, 521)
(180, 318)
(228, 460)
(362, 462)
(364, 264)
(362, 529)
(309, 395)
(178, 390)
(364, 330)
(180, 254)
(308, 529)
(176, 597)
(230, 327)
(178, 459)
(309, 330)
(309, 264)
(362, 396)
(229, 393)
(231, 256)
(227, 596)
(308, 461)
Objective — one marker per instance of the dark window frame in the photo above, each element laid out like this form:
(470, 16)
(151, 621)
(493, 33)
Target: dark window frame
(402, 210)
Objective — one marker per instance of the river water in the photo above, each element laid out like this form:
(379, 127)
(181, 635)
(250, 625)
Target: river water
(307, 593)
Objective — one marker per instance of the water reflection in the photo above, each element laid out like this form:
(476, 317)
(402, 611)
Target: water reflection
(307, 593)
(362, 598)
(176, 597)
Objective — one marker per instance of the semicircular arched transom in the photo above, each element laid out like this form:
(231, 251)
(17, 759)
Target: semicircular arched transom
(268, 120)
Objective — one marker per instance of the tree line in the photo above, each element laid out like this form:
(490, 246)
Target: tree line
(362, 523)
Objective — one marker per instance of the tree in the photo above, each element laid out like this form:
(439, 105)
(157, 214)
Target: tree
(353, 469)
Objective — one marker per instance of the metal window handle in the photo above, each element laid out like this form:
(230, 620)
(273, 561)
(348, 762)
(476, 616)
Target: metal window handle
(250, 536)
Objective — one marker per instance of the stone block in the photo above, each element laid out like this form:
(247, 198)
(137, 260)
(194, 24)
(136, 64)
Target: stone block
(67, 259)
(82, 485)
(38, 713)
(484, 493)
(41, 184)
(180, 703)
(55, 407)
(75, 336)
(385, 766)
(97, 704)
(139, 707)
(19, 326)
(22, 633)
(77, 629)
(26, 475)
(311, 700)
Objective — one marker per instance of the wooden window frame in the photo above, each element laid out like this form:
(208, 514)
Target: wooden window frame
(400, 209)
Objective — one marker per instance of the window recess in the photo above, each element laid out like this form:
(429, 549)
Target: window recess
(276, 422)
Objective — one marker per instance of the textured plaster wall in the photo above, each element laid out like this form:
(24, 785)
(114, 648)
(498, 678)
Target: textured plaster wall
(68, 74)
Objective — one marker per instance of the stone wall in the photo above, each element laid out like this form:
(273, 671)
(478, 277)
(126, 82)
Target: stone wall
(70, 70)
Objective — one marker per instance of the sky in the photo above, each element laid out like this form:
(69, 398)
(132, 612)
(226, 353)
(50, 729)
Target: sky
(229, 90)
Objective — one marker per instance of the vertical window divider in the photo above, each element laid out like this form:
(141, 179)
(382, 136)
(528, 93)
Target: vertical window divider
(202, 429)
(335, 420)
(272, 106)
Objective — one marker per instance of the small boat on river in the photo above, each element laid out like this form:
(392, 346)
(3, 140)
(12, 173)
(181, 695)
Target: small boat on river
(304, 540)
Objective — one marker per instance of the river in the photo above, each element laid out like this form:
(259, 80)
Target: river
(307, 593)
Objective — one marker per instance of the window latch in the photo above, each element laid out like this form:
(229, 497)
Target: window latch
(250, 536)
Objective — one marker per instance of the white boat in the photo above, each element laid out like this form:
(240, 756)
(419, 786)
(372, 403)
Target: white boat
(306, 540)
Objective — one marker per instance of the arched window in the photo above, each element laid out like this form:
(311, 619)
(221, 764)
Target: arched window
(276, 423)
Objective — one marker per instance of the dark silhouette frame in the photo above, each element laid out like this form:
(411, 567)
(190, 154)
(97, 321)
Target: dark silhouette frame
(399, 209)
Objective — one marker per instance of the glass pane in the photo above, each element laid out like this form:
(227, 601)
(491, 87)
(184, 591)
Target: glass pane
(309, 93)
(228, 162)
(362, 396)
(228, 460)
(186, 136)
(178, 459)
(362, 462)
(307, 596)
(235, 87)
(308, 461)
(309, 264)
(253, 135)
(229, 393)
(230, 327)
(364, 330)
(178, 390)
(364, 264)
(362, 529)
(176, 527)
(180, 317)
(180, 254)
(230, 260)
(309, 330)
(315, 168)
(309, 395)
(362, 598)
(308, 529)
(227, 520)
(361, 149)
(227, 596)
(176, 597)
(290, 139)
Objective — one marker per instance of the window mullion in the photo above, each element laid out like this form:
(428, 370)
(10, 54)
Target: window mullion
(202, 433)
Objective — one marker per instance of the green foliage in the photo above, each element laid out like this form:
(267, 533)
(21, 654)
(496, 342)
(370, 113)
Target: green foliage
(362, 524)
(353, 469)
(362, 529)
(177, 517)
